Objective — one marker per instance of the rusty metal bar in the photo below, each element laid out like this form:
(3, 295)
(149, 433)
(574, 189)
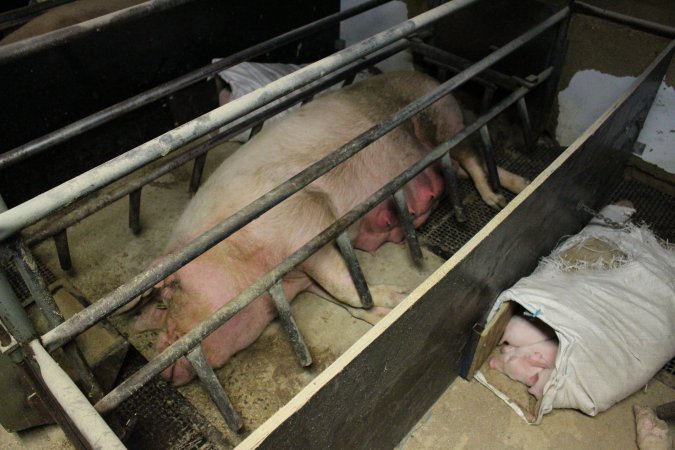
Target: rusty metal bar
(640, 24)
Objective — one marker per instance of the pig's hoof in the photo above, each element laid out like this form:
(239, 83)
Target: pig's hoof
(652, 432)
(495, 201)
(387, 295)
(372, 315)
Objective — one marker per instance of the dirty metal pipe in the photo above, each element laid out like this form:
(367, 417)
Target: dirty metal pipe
(135, 211)
(214, 388)
(28, 269)
(525, 122)
(408, 228)
(175, 260)
(288, 322)
(63, 249)
(347, 250)
(452, 188)
(89, 424)
(38, 207)
(640, 24)
(489, 159)
(231, 129)
(197, 172)
(105, 115)
(191, 339)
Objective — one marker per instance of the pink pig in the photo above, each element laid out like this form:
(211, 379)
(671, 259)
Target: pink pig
(280, 150)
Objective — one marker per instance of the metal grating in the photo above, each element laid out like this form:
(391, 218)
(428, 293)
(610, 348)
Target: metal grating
(161, 418)
(17, 284)
(443, 235)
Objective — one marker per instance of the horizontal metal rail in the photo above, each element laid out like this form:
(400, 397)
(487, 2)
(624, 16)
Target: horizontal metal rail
(191, 339)
(22, 15)
(78, 127)
(38, 207)
(58, 224)
(63, 35)
(640, 24)
(175, 260)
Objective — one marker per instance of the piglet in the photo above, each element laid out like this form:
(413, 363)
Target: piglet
(520, 332)
(531, 364)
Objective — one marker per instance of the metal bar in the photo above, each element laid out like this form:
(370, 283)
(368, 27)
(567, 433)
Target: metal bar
(229, 130)
(634, 22)
(489, 157)
(32, 210)
(28, 269)
(488, 96)
(21, 15)
(525, 122)
(457, 63)
(175, 260)
(289, 324)
(214, 388)
(197, 172)
(191, 339)
(88, 424)
(452, 189)
(256, 129)
(63, 250)
(349, 255)
(135, 211)
(105, 115)
(408, 228)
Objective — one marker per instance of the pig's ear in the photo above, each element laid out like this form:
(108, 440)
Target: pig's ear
(531, 381)
(151, 318)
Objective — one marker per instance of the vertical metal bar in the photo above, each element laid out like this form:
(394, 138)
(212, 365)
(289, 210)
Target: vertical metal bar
(213, 387)
(348, 253)
(135, 211)
(349, 80)
(256, 129)
(76, 415)
(197, 173)
(452, 188)
(28, 269)
(525, 121)
(409, 228)
(488, 95)
(309, 99)
(288, 322)
(488, 156)
(62, 250)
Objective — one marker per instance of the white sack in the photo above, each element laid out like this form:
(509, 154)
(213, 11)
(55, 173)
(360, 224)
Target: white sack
(616, 326)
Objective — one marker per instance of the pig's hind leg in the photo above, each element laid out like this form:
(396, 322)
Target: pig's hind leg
(329, 270)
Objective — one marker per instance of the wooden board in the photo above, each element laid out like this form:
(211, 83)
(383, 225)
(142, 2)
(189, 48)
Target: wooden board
(375, 392)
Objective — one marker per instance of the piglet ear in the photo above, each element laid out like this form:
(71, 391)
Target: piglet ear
(385, 218)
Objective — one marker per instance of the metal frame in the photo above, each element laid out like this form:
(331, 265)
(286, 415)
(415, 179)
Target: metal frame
(235, 114)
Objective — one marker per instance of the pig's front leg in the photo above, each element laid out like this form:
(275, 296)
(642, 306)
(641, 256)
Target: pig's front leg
(329, 270)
